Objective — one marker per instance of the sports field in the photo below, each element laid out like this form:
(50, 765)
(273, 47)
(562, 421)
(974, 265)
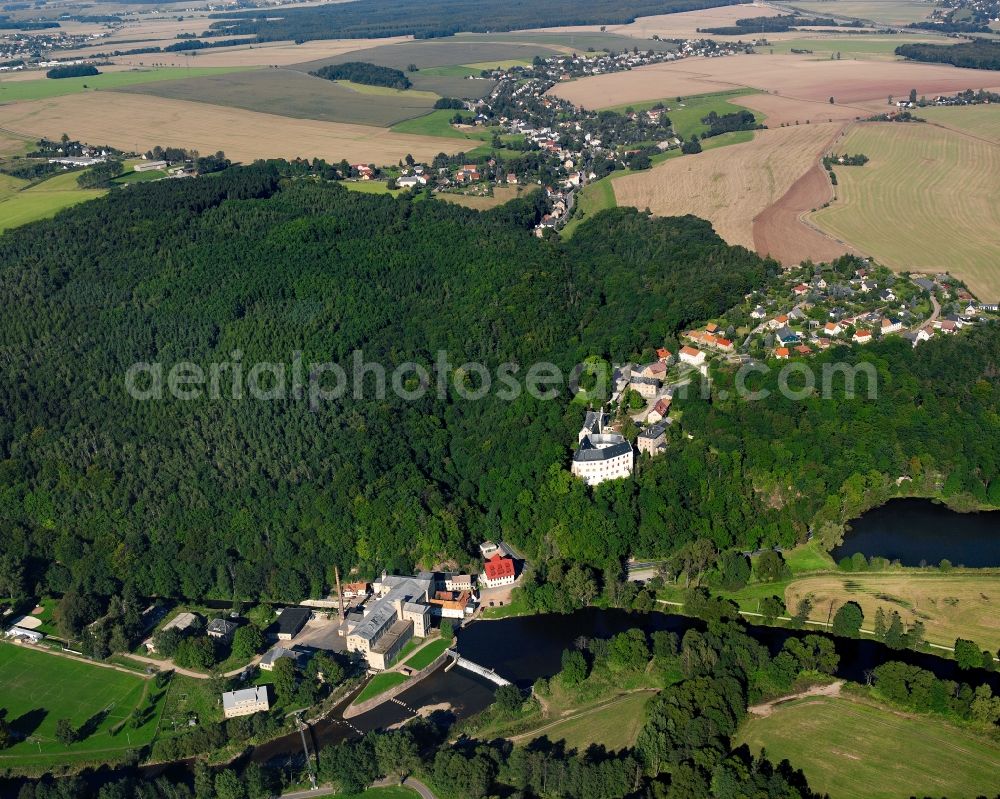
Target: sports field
(42, 200)
(929, 199)
(953, 605)
(39, 689)
(15, 90)
(855, 750)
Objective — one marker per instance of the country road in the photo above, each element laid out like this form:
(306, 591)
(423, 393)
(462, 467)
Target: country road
(169, 665)
(326, 790)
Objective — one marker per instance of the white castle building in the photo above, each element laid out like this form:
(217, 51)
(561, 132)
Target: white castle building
(601, 456)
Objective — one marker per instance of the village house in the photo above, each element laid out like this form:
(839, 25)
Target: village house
(862, 337)
(487, 548)
(410, 181)
(786, 335)
(664, 354)
(355, 590)
(659, 411)
(781, 353)
(245, 702)
(800, 289)
(832, 329)
(452, 604)
(276, 653)
(459, 582)
(653, 440)
(692, 356)
(647, 387)
(221, 629)
(498, 571)
(656, 369)
(891, 326)
(778, 322)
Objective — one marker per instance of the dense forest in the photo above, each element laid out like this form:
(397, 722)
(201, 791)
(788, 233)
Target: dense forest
(977, 54)
(210, 496)
(215, 496)
(380, 18)
(361, 72)
(776, 24)
(73, 71)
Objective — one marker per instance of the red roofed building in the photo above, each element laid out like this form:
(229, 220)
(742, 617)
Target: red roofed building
(498, 571)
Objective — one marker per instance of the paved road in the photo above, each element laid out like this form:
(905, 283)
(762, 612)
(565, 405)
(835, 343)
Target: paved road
(326, 790)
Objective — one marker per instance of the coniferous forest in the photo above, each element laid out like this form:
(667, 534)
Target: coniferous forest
(261, 498)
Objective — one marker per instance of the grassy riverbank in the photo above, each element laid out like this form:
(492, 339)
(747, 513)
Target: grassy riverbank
(862, 741)
(951, 603)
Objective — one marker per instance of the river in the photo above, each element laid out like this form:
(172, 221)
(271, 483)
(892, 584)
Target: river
(524, 648)
(919, 532)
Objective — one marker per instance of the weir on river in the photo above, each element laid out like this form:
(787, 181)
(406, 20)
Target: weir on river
(475, 668)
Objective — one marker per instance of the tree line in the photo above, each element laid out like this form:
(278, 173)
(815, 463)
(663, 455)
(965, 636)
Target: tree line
(379, 18)
(977, 54)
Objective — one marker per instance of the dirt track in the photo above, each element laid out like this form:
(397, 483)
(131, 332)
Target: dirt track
(766, 708)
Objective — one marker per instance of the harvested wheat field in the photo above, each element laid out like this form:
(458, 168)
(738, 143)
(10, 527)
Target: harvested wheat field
(134, 122)
(928, 200)
(266, 53)
(956, 605)
(730, 185)
(683, 25)
(982, 121)
(778, 110)
(794, 76)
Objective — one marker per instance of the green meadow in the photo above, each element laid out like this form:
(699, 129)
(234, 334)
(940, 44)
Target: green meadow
(40, 688)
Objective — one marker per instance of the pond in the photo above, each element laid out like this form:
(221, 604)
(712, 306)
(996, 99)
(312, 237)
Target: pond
(921, 532)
